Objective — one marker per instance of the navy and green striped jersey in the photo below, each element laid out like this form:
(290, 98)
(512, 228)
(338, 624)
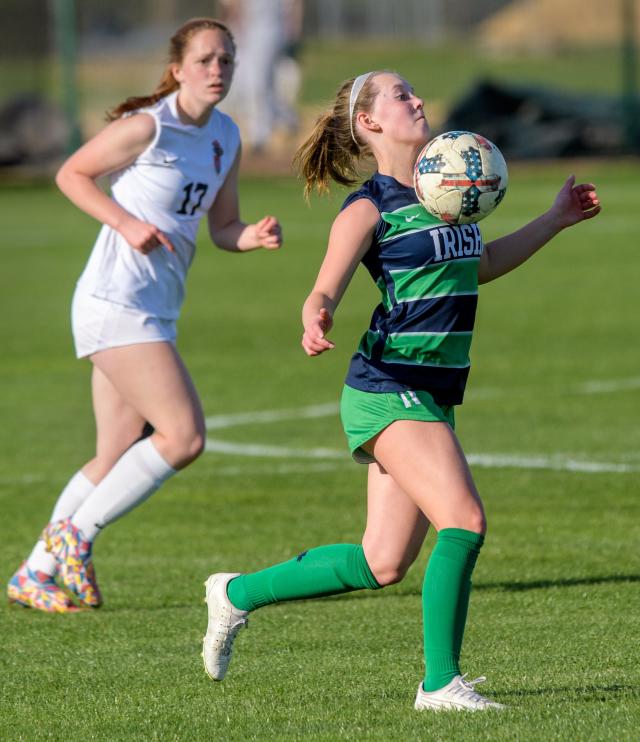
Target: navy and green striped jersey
(427, 272)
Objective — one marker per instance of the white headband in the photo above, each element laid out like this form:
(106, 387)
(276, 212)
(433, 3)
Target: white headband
(357, 86)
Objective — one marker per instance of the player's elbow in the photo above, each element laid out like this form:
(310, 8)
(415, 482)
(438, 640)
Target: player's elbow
(62, 178)
(215, 241)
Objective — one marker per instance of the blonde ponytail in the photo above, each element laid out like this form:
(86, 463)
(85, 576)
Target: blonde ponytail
(331, 153)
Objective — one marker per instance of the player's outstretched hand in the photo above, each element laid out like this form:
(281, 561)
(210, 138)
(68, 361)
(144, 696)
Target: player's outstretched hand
(144, 237)
(314, 341)
(269, 233)
(575, 203)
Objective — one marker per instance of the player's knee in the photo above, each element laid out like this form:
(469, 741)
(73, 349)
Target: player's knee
(469, 515)
(388, 571)
(194, 446)
(186, 446)
(475, 521)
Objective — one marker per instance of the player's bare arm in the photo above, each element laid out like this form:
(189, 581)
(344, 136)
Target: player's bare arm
(228, 231)
(572, 205)
(349, 240)
(115, 147)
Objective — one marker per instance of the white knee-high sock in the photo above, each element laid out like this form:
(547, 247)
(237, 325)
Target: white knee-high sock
(70, 499)
(135, 476)
(72, 496)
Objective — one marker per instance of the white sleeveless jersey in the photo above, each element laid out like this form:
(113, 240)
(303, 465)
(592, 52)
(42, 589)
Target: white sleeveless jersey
(171, 185)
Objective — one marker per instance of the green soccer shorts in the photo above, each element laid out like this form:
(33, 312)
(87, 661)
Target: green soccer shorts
(365, 414)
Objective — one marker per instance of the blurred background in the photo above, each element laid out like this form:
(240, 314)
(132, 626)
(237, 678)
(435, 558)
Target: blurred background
(542, 79)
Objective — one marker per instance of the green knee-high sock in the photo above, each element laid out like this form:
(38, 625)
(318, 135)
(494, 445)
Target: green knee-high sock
(445, 600)
(326, 570)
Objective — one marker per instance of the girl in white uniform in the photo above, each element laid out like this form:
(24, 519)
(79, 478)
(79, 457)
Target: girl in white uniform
(172, 159)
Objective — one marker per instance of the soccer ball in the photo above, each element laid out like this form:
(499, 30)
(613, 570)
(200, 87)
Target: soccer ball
(460, 177)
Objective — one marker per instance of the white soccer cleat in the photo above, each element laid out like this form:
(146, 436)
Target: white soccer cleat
(225, 620)
(458, 695)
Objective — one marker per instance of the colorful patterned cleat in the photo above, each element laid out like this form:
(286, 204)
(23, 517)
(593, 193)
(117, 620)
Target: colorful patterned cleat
(38, 590)
(73, 555)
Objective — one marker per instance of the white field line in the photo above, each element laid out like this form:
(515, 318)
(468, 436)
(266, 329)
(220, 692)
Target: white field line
(486, 460)
(555, 462)
(481, 460)
(23, 479)
(218, 422)
(273, 452)
(605, 386)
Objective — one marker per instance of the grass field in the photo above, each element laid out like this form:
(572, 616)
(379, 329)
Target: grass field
(550, 425)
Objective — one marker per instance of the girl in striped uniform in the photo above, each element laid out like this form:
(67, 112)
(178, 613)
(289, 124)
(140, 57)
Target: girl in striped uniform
(172, 160)
(403, 383)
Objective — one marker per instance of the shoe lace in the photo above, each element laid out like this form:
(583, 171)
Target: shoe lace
(227, 628)
(466, 688)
